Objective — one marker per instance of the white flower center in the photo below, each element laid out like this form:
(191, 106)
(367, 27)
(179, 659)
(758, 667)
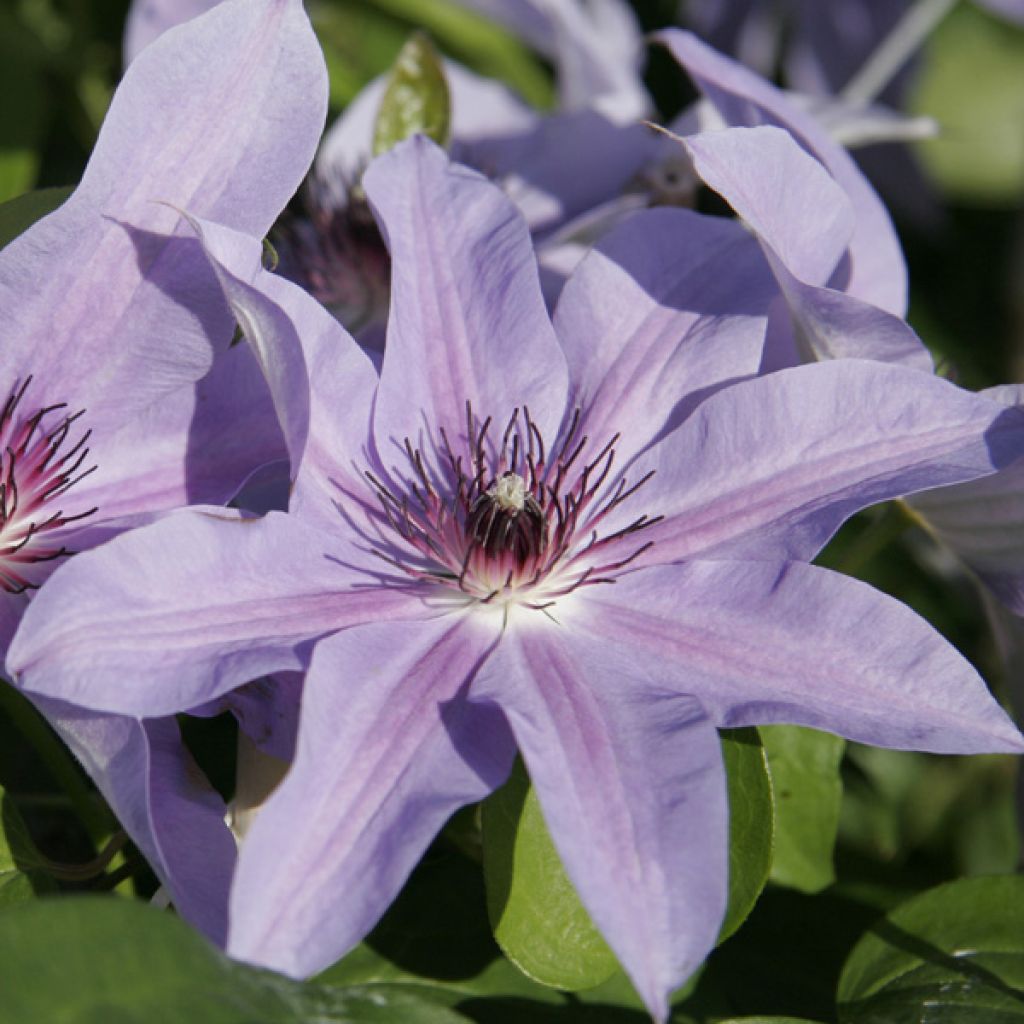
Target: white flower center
(509, 493)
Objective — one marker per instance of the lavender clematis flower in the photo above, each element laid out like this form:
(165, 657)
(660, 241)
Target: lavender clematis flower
(122, 396)
(519, 535)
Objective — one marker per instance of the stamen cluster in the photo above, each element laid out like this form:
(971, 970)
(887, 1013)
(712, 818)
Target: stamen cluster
(336, 252)
(510, 521)
(40, 461)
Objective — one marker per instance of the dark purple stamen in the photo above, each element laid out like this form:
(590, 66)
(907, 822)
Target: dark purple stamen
(506, 518)
(36, 466)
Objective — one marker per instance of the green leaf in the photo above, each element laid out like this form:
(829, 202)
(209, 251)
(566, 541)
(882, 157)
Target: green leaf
(477, 42)
(973, 82)
(766, 1020)
(20, 213)
(954, 954)
(807, 792)
(358, 43)
(751, 823)
(20, 878)
(98, 960)
(416, 99)
(537, 917)
(436, 933)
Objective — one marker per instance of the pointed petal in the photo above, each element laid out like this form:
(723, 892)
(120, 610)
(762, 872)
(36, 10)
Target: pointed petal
(828, 324)
(198, 446)
(599, 57)
(769, 468)
(630, 780)
(565, 165)
(876, 271)
(225, 600)
(766, 642)
(322, 382)
(220, 116)
(164, 803)
(667, 307)
(803, 221)
(785, 196)
(983, 521)
(388, 748)
(464, 294)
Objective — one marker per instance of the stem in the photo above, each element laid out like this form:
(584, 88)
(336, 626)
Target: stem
(83, 872)
(895, 50)
(58, 760)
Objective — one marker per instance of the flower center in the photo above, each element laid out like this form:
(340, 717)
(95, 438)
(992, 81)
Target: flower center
(505, 520)
(337, 254)
(41, 459)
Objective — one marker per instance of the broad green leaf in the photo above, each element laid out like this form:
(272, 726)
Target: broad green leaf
(973, 82)
(960, 811)
(953, 954)
(20, 213)
(20, 877)
(751, 823)
(537, 917)
(808, 792)
(98, 960)
(416, 99)
(436, 933)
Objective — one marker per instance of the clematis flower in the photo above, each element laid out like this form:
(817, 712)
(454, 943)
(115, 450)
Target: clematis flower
(576, 538)
(122, 397)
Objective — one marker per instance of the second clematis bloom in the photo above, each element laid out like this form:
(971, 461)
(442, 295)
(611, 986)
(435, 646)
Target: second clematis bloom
(576, 537)
(121, 396)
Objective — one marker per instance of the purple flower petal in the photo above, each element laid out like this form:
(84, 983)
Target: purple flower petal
(93, 636)
(596, 48)
(803, 222)
(769, 468)
(876, 271)
(323, 384)
(767, 642)
(630, 780)
(164, 803)
(785, 196)
(388, 748)
(238, 97)
(663, 310)
(464, 293)
(983, 521)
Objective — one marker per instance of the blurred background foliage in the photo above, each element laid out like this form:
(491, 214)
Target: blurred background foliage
(904, 822)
